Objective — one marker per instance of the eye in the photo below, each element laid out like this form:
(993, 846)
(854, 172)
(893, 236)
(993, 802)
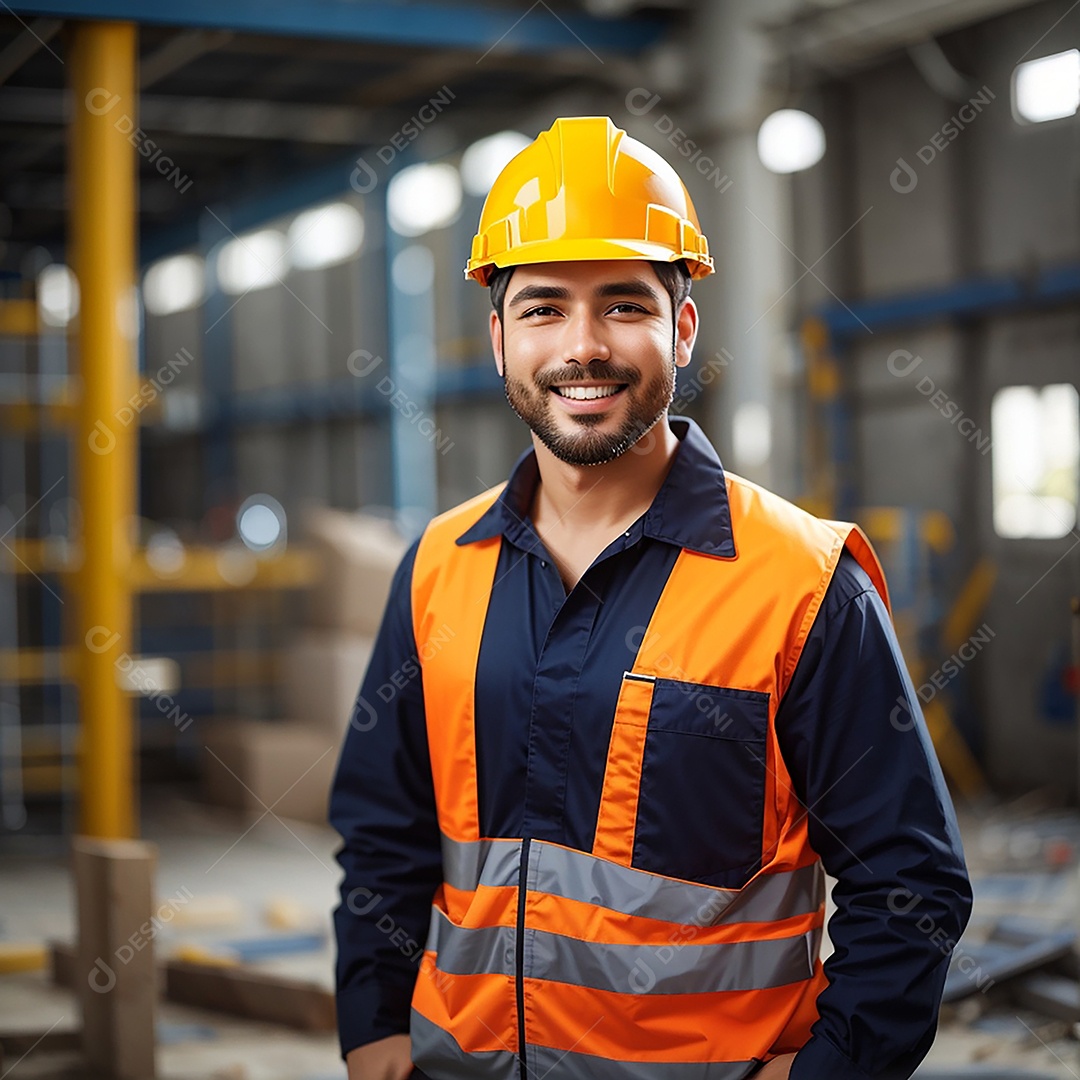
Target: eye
(541, 310)
(629, 309)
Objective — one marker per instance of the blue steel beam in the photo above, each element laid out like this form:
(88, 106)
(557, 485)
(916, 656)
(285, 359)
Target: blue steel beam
(296, 192)
(964, 299)
(411, 393)
(535, 29)
(219, 447)
(342, 399)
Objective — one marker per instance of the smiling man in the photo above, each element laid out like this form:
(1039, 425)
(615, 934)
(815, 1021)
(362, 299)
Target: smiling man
(655, 704)
(614, 324)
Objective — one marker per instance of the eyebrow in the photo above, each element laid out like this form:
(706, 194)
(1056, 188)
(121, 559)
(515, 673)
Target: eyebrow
(540, 292)
(633, 287)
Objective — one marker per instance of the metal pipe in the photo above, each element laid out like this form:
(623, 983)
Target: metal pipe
(102, 238)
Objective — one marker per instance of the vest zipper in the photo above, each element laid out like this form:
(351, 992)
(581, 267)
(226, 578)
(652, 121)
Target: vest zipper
(519, 974)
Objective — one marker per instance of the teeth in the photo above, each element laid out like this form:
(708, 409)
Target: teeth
(586, 393)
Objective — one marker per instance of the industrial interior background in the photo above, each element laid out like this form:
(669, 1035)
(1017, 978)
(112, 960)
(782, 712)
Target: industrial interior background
(277, 200)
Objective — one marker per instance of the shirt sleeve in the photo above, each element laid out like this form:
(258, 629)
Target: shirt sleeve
(382, 803)
(861, 761)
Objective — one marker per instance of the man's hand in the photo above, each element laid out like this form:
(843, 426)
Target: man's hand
(385, 1059)
(777, 1069)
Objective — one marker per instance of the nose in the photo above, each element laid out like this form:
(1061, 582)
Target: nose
(584, 340)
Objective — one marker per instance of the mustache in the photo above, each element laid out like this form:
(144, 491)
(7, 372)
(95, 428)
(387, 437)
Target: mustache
(598, 371)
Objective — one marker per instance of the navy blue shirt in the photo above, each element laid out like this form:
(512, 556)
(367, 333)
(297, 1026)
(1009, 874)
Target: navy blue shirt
(849, 726)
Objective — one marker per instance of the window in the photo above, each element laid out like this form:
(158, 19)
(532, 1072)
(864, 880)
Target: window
(1035, 460)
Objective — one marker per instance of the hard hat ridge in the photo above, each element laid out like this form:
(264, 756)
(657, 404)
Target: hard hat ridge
(584, 189)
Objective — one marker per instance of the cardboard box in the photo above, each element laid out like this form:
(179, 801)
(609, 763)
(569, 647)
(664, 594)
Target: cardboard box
(322, 673)
(283, 765)
(358, 556)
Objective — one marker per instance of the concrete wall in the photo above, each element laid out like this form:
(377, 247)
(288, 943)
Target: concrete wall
(999, 198)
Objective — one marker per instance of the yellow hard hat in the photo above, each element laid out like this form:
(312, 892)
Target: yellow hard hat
(585, 190)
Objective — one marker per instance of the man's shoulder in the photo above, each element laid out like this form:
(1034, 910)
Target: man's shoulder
(787, 530)
(768, 513)
(463, 516)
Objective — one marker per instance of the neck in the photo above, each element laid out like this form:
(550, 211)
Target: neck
(584, 498)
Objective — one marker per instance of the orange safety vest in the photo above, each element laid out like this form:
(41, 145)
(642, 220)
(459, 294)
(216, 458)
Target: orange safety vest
(542, 957)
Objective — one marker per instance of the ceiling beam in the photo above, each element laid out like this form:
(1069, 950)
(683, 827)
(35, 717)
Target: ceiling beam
(845, 35)
(462, 25)
(178, 52)
(36, 36)
(227, 118)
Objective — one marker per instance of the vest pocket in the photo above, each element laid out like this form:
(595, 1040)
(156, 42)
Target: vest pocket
(701, 801)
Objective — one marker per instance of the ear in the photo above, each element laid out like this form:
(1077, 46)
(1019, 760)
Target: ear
(686, 328)
(495, 328)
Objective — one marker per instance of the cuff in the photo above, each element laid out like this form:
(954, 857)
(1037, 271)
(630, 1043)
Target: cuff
(362, 1018)
(819, 1058)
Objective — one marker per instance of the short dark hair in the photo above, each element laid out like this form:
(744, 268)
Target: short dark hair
(673, 276)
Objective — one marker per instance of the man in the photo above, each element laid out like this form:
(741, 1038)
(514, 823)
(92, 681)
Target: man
(624, 711)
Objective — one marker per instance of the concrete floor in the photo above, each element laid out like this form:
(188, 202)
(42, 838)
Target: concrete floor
(237, 870)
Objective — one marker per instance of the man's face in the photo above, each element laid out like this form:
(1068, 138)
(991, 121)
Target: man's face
(588, 354)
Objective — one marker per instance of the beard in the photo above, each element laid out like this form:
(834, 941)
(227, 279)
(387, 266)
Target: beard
(585, 445)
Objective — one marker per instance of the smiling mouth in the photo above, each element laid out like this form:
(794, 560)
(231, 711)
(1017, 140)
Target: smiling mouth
(588, 393)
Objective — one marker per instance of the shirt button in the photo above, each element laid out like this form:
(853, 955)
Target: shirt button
(543, 564)
(627, 533)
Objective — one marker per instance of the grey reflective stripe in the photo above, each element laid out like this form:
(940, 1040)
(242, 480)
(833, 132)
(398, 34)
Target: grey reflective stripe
(577, 875)
(625, 969)
(502, 863)
(675, 969)
(437, 1054)
(471, 951)
(545, 1061)
(492, 862)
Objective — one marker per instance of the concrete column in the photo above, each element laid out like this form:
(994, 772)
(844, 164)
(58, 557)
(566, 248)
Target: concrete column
(748, 225)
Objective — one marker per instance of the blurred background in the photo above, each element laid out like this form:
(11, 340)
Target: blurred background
(240, 369)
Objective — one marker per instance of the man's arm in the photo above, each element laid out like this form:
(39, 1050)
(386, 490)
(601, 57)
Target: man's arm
(861, 760)
(383, 805)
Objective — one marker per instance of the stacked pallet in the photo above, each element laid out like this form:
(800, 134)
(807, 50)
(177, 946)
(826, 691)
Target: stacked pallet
(286, 766)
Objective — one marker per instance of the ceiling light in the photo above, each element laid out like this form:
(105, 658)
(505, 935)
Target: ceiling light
(790, 140)
(487, 157)
(1047, 88)
(58, 295)
(174, 284)
(325, 236)
(251, 262)
(423, 197)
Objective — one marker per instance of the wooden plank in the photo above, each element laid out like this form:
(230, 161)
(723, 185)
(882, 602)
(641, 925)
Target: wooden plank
(978, 967)
(1051, 995)
(238, 990)
(252, 994)
(15, 1044)
(978, 1072)
(1024, 930)
(18, 316)
(115, 977)
(18, 956)
(62, 963)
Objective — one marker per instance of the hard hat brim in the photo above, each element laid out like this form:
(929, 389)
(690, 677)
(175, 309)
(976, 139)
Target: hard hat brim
(585, 250)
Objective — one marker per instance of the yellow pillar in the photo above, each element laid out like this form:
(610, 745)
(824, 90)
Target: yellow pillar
(101, 193)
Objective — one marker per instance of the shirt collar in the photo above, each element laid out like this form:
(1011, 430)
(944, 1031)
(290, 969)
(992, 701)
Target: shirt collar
(690, 510)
